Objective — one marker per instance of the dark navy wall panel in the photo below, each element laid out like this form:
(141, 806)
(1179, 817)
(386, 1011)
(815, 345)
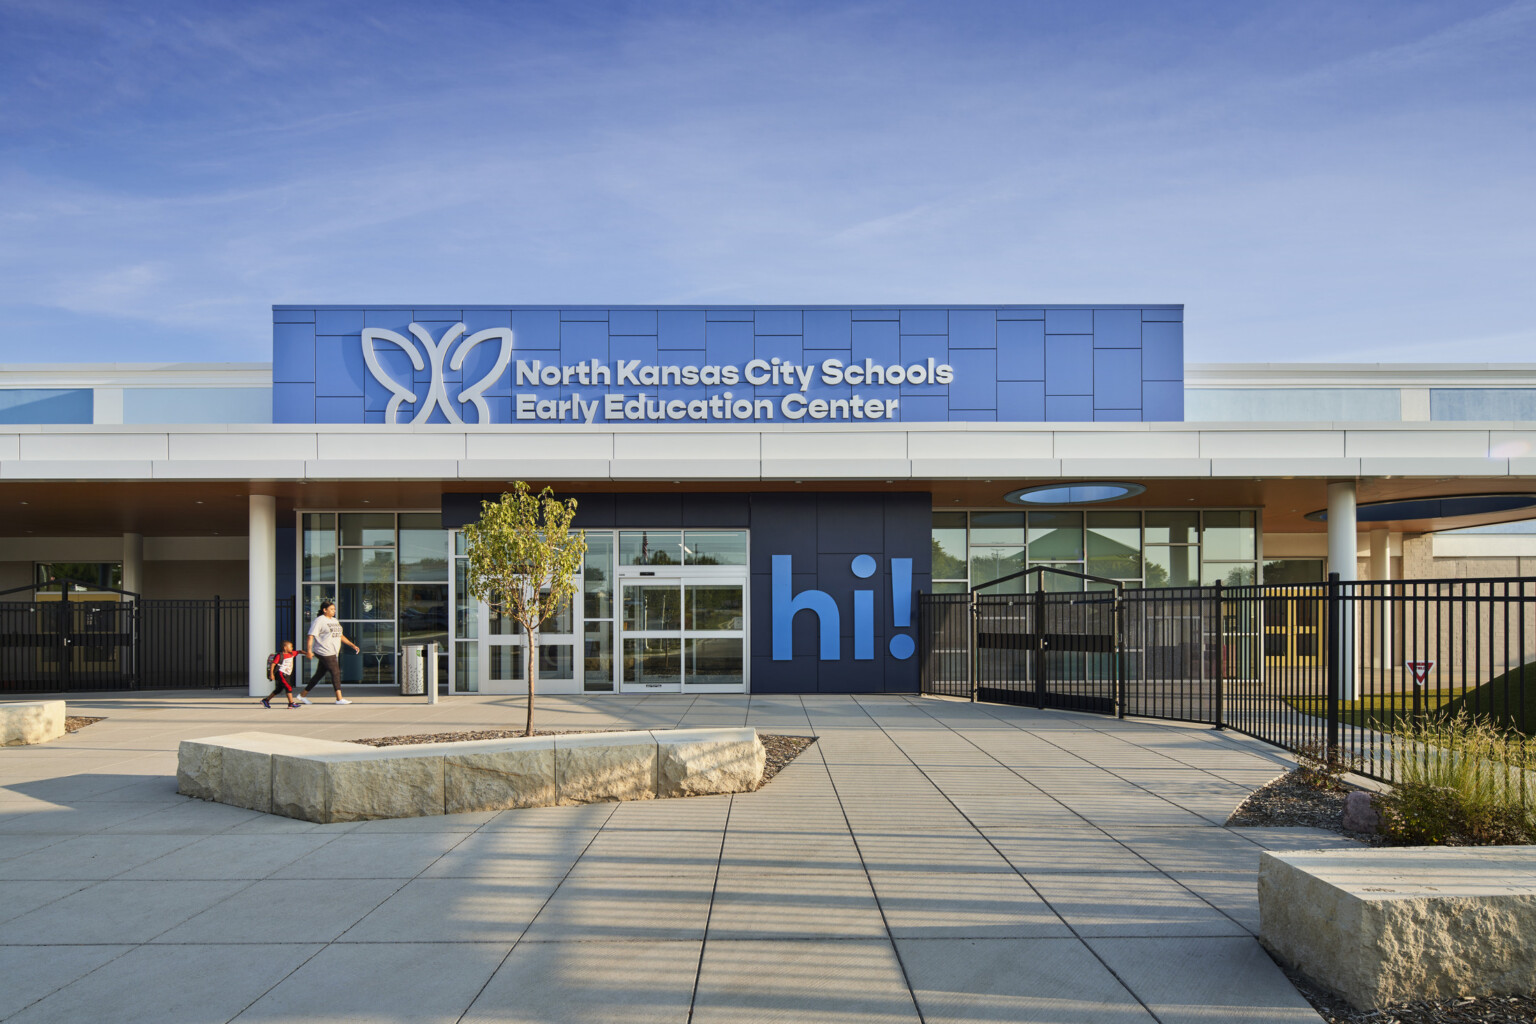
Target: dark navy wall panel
(1069, 362)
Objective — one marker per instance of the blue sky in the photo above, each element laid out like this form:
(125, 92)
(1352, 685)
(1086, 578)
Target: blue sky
(1315, 180)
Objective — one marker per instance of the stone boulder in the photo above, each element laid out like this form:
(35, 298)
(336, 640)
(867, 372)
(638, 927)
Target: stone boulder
(405, 782)
(1360, 814)
(236, 768)
(694, 762)
(30, 721)
(595, 767)
(493, 775)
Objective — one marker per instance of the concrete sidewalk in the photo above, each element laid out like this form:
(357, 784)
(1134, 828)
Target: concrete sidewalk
(927, 860)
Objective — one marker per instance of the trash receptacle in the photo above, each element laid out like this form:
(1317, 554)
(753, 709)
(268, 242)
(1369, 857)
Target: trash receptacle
(412, 676)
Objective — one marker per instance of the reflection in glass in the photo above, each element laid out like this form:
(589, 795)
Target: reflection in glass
(376, 661)
(424, 613)
(949, 548)
(320, 546)
(1228, 535)
(652, 660)
(715, 547)
(466, 621)
(1295, 570)
(1114, 545)
(557, 661)
(997, 527)
(597, 576)
(504, 662)
(653, 606)
(650, 547)
(1055, 536)
(313, 597)
(1172, 566)
(1055, 583)
(367, 589)
(714, 661)
(368, 529)
(1172, 527)
(949, 588)
(423, 547)
(714, 607)
(988, 564)
(1233, 574)
(466, 669)
(597, 656)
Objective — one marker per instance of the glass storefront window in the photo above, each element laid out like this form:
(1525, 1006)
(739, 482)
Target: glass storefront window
(597, 576)
(557, 661)
(714, 608)
(367, 587)
(376, 661)
(1172, 527)
(988, 564)
(949, 546)
(1054, 583)
(319, 546)
(1232, 574)
(651, 547)
(998, 527)
(598, 657)
(1228, 535)
(715, 547)
(1055, 536)
(424, 613)
(506, 662)
(466, 667)
(423, 547)
(1114, 545)
(714, 660)
(367, 529)
(1172, 566)
(466, 624)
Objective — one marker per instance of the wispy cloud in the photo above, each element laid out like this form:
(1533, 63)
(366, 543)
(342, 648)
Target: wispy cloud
(1312, 180)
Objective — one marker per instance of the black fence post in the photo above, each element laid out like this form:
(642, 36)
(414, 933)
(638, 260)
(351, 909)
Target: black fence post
(1120, 666)
(1039, 642)
(973, 652)
(1221, 665)
(218, 643)
(1335, 662)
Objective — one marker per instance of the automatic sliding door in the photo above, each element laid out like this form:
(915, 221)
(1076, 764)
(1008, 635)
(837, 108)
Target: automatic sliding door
(652, 659)
(714, 636)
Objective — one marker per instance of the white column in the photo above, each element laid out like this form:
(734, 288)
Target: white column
(261, 568)
(1341, 529)
(1341, 559)
(133, 562)
(1381, 554)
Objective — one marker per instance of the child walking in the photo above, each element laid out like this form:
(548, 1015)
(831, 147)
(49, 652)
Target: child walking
(280, 670)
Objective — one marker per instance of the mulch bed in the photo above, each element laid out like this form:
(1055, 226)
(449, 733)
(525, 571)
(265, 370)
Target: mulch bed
(781, 749)
(74, 723)
(1289, 802)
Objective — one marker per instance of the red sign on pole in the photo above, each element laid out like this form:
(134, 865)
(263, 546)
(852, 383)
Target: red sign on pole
(1420, 670)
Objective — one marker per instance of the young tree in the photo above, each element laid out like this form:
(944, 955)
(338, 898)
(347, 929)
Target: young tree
(523, 560)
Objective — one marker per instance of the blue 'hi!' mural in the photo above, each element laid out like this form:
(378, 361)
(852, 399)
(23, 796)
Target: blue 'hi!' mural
(814, 365)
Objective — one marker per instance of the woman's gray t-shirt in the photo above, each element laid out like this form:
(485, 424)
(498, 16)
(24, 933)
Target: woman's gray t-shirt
(327, 634)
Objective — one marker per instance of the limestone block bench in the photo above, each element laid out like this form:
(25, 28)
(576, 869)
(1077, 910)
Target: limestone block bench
(1391, 925)
(30, 721)
(328, 781)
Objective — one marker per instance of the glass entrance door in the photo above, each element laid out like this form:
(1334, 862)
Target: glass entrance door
(683, 635)
(504, 653)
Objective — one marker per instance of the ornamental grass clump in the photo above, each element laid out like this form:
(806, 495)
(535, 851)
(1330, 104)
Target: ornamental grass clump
(1461, 781)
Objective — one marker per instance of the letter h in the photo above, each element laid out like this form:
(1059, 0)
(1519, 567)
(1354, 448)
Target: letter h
(786, 605)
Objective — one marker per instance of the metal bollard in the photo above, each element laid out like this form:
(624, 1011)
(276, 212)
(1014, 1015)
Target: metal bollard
(429, 671)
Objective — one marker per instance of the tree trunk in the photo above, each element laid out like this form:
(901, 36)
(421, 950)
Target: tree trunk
(533, 675)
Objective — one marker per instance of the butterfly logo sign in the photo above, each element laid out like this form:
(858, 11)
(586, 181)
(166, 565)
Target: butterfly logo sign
(433, 354)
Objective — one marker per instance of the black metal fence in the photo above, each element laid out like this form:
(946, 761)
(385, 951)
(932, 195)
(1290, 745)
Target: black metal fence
(61, 641)
(1337, 664)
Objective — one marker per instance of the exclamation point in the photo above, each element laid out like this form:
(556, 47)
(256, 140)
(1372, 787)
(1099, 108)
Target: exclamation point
(902, 645)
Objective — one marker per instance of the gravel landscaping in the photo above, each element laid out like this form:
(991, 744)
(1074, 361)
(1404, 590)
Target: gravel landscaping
(1289, 801)
(74, 723)
(781, 749)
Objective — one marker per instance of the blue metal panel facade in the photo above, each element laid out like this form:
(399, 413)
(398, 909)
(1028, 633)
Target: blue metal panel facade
(1004, 363)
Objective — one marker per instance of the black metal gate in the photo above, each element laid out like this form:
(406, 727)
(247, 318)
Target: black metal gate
(58, 641)
(1047, 647)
